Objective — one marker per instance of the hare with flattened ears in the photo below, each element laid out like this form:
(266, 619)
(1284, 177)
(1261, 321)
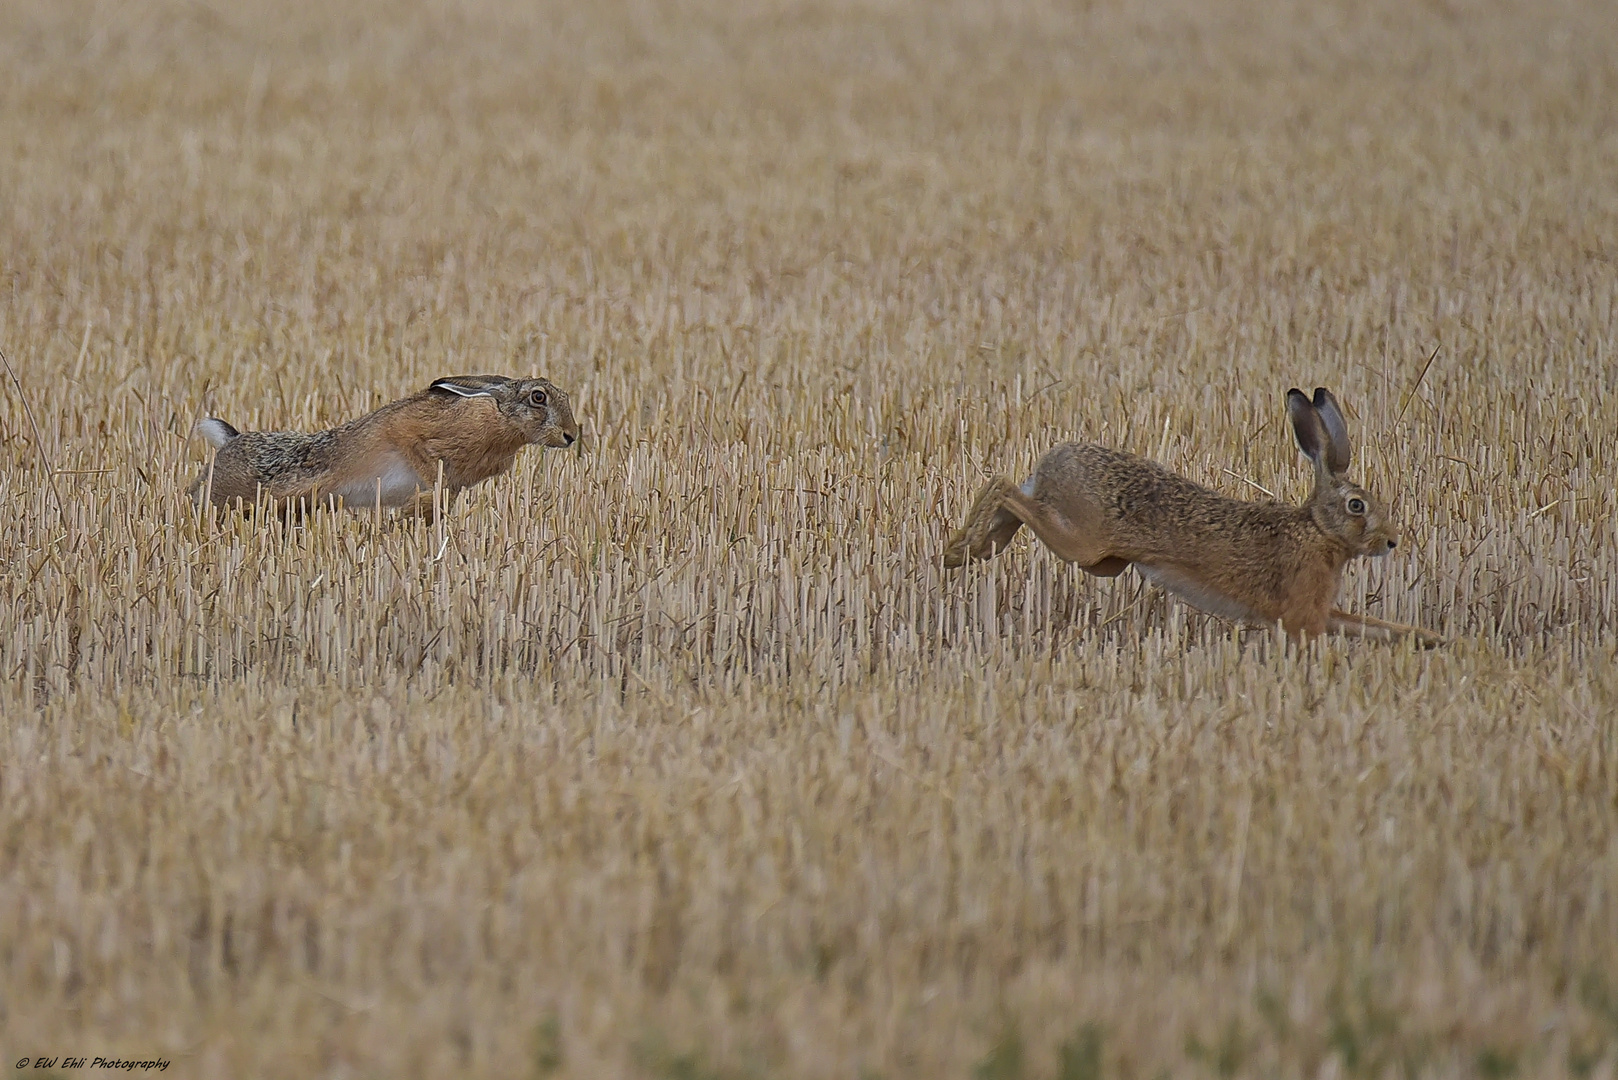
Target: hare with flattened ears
(471, 426)
(1254, 562)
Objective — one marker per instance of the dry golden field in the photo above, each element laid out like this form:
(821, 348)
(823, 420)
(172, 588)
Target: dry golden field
(680, 757)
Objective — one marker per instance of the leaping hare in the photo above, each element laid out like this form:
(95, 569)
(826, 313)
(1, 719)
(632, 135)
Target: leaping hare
(471, 424)
(1261, 563)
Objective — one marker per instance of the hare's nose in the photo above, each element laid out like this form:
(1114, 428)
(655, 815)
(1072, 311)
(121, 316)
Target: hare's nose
(1392, 543)
(570, 437)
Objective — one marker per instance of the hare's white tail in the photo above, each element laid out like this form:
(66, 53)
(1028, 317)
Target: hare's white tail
(216, 431)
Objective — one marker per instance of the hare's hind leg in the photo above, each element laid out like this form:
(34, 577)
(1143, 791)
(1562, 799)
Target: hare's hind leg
(1073, 536)
(988, 529)
(1342, 622)
(1001, 508)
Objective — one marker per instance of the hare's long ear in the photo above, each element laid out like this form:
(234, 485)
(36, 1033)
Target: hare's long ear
(1337, 450)
(1309, 428)
(470, 385)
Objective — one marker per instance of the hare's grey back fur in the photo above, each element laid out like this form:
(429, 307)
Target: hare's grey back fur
(1148, 509)
(285, 456)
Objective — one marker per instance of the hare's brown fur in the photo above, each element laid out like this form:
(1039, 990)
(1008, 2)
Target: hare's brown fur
(472, 424)
(1253, 562)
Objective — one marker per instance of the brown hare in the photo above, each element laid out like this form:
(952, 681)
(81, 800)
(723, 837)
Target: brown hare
(1259, 563)
(472, 425)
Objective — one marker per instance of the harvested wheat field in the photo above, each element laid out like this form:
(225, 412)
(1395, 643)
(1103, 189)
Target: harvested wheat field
(681, 756)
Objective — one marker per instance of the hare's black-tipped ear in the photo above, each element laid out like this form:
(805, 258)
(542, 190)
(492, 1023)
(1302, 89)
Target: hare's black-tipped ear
(1337, 446)
(469, 385)
(1307, 426)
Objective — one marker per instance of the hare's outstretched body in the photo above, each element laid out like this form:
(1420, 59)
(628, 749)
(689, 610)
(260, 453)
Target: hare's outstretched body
(1252, 562)
(471, 424)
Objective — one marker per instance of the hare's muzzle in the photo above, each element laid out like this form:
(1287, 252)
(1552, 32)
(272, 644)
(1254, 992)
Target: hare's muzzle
(560, 440)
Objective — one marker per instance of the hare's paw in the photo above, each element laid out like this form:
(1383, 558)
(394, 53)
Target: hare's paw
(989, 526)
(956, 553)
(1426, 639)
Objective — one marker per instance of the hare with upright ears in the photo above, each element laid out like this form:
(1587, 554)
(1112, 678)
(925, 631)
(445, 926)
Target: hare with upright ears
(1261, 563)
(471, 425)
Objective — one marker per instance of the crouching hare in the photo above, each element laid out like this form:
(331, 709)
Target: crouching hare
(472, 425)
(1254, 562)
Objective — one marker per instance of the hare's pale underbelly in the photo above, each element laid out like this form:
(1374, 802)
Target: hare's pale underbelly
(397, 481)
(1199, 594)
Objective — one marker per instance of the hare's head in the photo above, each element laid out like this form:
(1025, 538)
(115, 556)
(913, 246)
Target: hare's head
(1343, 510)
(535, 407)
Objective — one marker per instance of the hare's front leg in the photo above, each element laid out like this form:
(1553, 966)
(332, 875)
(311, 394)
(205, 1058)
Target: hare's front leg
(424, 504)
(1342, 622)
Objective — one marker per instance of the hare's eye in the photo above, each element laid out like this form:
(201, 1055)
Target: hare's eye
(1356, 505)
(537, 399)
